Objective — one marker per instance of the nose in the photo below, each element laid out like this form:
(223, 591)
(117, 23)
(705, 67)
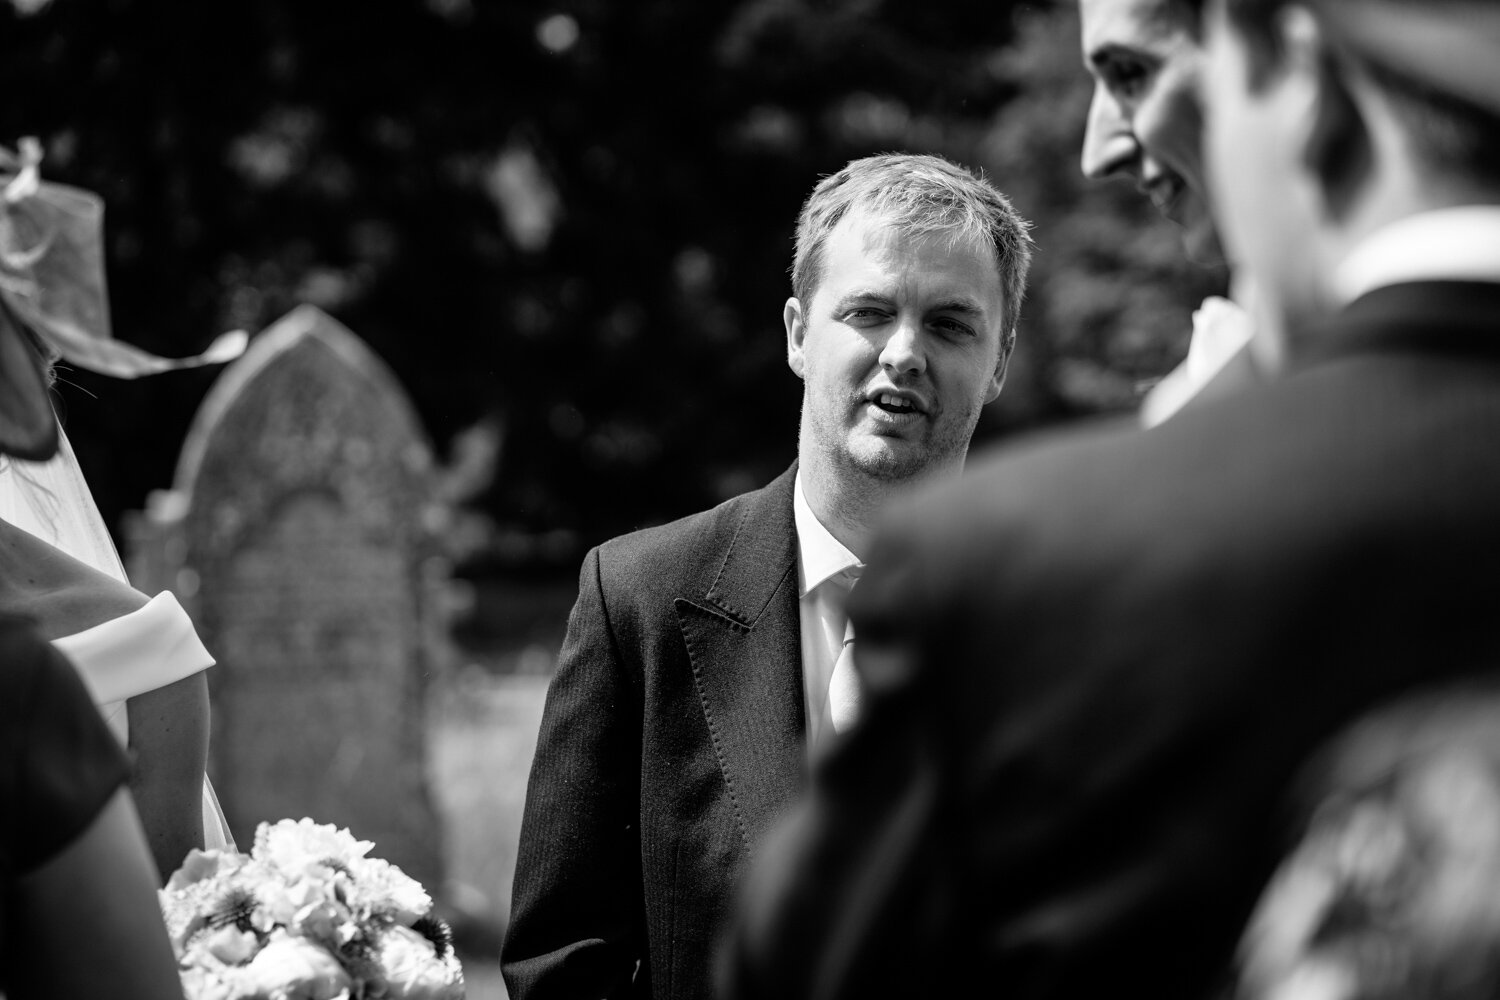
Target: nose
(1109, 145)
(904, 352)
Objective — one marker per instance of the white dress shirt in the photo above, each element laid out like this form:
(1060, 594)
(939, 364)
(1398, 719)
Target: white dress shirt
(1219, 349)
(1449, 244)
(822, 589)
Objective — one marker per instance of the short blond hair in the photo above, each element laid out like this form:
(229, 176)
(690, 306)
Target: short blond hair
(919, 194)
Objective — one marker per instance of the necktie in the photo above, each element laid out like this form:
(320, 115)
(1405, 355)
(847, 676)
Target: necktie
(843, 686)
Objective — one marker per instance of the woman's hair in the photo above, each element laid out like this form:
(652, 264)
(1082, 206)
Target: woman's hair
(47, 355)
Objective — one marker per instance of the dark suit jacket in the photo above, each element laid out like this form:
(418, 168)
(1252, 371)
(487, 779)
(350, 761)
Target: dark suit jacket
(1399, 823)
(673, 735)
(1093, 664)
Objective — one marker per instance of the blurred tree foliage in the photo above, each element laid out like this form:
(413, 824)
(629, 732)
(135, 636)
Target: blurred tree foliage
(565, 224)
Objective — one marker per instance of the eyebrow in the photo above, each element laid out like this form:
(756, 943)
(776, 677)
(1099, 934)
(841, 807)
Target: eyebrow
(966, 307)
(863, 295)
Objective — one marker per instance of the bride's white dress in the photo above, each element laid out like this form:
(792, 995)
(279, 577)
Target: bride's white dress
(119, 659)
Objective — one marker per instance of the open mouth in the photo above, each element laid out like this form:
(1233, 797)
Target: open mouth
(895, 405)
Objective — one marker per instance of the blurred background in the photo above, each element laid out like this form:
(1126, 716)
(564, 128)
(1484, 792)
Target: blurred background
(566, 228)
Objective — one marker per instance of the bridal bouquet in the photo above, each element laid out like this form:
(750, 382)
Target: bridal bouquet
(306, 916)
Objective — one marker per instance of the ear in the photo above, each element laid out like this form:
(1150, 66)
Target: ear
(1336, 148)
(796, 331)
(1002, 365)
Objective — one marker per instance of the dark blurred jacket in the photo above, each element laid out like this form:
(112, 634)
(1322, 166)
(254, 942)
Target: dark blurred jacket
(671, 739)
(1093, 665)
(1388, 890)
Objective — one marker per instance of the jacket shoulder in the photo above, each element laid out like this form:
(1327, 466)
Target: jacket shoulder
(687, 553)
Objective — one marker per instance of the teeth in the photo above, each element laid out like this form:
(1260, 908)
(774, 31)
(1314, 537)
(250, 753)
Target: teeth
(894, 402)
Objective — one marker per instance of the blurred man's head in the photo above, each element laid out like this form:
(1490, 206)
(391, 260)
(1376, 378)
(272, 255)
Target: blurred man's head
(1146, 118)
(1331, 119)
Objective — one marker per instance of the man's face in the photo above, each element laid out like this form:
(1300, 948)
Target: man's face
(1146, 118)
(898, 350)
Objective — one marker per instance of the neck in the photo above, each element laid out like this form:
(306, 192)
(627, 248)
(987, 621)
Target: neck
(1397, 187)
(849, 503)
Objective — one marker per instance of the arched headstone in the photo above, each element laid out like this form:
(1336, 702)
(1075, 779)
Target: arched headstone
(296, 531)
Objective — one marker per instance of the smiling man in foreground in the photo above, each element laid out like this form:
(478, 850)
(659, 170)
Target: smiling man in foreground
(1095, 665)
(703, 657)
(1145, 123)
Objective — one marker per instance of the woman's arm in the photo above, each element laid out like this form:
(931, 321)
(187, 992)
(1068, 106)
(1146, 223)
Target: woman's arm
(169, 747)
(87, 922)
(168, 725)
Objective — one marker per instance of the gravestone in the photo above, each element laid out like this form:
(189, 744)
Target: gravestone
(296, 534)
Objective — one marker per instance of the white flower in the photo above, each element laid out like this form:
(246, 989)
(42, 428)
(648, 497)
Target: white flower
(412, 970)
(200, 983)
(298, 846)
(294, 968)
(381, 887)
(325, 920)
(305, 916)
(279, 902)
(186, 909)
(201, 866)
(231, 945)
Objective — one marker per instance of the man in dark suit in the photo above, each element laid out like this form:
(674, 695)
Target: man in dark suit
(1092, 667)
(701, 657)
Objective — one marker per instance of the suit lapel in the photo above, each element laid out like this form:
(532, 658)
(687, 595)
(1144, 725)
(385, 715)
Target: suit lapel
(744, 640)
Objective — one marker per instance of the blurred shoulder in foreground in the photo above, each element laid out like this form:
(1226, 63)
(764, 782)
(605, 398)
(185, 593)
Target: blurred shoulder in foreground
(1391, 889)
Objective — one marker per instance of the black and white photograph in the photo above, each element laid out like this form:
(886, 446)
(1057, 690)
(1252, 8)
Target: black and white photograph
(749, 499)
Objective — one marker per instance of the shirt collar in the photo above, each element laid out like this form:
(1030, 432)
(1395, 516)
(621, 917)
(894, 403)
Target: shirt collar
(820, 556)
(1452, 244)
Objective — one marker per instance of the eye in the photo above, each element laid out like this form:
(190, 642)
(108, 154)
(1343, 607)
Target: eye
(1127, 78)
(864, 316)
(952, 328)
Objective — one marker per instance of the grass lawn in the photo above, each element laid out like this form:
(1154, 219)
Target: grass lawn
(482, 724)
(481, 738)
